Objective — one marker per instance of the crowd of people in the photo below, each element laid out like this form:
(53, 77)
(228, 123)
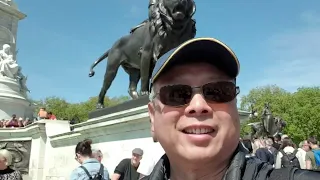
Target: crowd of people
(282, 152)
(16, 122)
(91, 167)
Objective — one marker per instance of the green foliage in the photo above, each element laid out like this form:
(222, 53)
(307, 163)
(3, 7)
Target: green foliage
(65, 110)
(301, 109)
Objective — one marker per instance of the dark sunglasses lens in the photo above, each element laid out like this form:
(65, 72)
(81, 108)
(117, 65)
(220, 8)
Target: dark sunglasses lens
(175, 95)
(220, 92)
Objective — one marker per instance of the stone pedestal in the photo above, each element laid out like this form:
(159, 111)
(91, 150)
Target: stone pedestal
(12, 101)
(9, 18)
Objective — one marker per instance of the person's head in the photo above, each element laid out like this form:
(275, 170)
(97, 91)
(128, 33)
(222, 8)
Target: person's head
(5, 159)
(271, 138)
(14, 116)
(83, 150)
(268, 143)
(193, 106)
(42, 109)
(257, 144)
(305, 145)
(284, 136)
(286, 142)
(97, 154)
(313, 142)
(277, 138)
(137, 154)
(248, 145)
(6, 48)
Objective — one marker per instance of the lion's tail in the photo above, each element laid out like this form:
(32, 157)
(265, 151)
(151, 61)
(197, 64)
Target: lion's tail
(105, 55)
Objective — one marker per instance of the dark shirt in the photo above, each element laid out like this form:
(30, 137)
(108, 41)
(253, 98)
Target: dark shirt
(10, 174)
(265, 155)
(126, 170)
(276, 146)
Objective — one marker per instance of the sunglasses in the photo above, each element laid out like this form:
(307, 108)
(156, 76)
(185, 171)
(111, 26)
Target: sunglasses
(180, 95)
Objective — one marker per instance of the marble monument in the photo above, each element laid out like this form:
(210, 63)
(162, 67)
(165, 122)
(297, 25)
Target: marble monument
(13, 89)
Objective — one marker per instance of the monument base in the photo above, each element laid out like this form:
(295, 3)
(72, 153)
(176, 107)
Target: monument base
(144, 100)
(12, 101)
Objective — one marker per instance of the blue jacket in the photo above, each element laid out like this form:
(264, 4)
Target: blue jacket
(93, 167)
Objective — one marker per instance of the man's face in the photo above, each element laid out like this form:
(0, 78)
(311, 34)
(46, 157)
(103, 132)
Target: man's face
(170, 124)
(136, 159)
(306, 146)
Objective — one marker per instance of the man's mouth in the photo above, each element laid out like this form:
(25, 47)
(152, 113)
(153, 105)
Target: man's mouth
(200, 130)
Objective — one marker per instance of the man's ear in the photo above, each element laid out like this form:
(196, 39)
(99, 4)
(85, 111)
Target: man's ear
(151, 110)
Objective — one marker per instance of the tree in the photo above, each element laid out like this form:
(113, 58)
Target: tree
(300, 109)
(65, 110)
(303, 117)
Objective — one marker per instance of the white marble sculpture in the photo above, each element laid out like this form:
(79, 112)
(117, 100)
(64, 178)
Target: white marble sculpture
(8, 66)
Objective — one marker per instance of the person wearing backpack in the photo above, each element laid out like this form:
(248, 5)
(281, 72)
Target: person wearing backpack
(313, 156)
(287, 156)
(91, 168)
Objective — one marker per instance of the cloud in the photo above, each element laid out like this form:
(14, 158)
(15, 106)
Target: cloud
(294, 55)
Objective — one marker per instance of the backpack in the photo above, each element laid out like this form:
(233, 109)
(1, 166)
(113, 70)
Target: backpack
(98, 176)
(317, 156)
(289, 160)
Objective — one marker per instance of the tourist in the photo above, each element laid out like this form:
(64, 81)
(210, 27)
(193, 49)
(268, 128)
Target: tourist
(250, 156)
(288, 155)
(42, 114)
(27, 122)
(277, 141)
(90, 167)
(313, 156)
(2, 123)
(13, 122)
(51, 116)
(6, 173)
(194, 116)
(265, 153)
(127, 168)
(97, 154)
(151, 157)
(303, 149)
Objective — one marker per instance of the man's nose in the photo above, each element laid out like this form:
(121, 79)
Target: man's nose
(198, 106)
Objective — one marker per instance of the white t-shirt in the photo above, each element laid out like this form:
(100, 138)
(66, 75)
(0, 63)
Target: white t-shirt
(150, 159)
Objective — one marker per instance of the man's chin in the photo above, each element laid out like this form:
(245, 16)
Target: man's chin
(203, 154)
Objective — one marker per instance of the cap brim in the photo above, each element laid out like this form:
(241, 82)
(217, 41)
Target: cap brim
(209, 50)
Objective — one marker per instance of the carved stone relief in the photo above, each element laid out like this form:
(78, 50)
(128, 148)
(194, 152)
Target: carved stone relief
(20, 152)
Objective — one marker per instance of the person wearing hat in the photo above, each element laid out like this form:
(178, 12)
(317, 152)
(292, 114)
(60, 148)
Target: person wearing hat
(127, 168)
(194, 116)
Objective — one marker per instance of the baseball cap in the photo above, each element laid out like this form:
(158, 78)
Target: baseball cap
(207, 49)
(137, 151)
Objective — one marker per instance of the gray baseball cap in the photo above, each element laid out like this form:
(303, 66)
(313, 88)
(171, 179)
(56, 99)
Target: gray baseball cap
(137, 151)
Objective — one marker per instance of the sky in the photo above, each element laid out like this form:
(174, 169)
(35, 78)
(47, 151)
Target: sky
(277, 42)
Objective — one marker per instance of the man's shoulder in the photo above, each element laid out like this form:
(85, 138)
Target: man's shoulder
(309, 153)
(125, 161)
